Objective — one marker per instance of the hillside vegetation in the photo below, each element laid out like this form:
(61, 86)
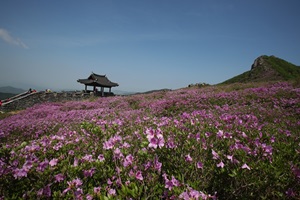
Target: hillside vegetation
(238, 141)
(268, 68)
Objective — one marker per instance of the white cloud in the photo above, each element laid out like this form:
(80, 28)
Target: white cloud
(4, 35)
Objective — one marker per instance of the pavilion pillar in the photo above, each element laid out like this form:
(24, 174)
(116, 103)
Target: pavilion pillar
(110, 90)
(85, 88)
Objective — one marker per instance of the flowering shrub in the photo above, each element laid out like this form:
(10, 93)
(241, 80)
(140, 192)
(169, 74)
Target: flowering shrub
(216, 142)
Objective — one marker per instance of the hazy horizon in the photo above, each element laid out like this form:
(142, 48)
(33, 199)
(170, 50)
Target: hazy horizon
(141, 45)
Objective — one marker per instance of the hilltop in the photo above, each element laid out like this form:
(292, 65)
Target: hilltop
(8, 91)
(267, 68)
(12, 90)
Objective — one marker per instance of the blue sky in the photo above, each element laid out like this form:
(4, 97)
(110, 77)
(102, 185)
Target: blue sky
(141, 44)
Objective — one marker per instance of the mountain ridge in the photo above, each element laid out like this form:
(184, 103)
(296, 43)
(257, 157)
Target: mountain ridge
(11, 90)
(267, 68)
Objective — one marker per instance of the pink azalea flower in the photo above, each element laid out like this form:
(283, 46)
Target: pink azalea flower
(108, 145)
(88, 158)
(220, 134)
(171, 143)
(229, 157)
(97, 190)
(157, 165)
(245, 166)
(59, 177)
(221, 164)
(77, 182)
(117, 153)
(153, 143)
(18, 173)
(175, 181)
(128, 160)
(199, 165)
(112, 192)
(139, 175)
(89, 197)
(101, 157)
(161, 142)
(244, 135)
(131, 173)
(188, 158)
(75, 164)
(42, 166)
(53, 162)
(169, 184)
(215, 155)
(47, 191)
(89, 173)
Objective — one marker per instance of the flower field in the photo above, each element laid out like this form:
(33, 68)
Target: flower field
(217, 142)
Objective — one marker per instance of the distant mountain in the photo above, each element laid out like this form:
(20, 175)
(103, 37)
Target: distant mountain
(121, 92)
(267, 68)
(152, 91)
(6, 95)
(11, 90)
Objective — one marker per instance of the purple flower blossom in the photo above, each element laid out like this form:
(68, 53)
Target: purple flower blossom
(128, 160)
(199, 165)
(221, 164)
(215, 155)
(153, 143)
(42, 166)
(27, 165)
(108, 145)
(53, 162)
(139, 176)
(112, 192)
(188, 158)
(88, 158)
(245, 166)
(169, 184)
(97, 190)
(101, 157)
(75, 164)
(230, 157)
(157, 165)
(296, 171)
(109, 182)
(89, 197)
(59, 177)
(220, 134)
(89, 173)
(118, 154)
(290, 193)
(155, 138)
(46, 191)
(171, 143)
(71, 152)
(19, 173)
(161, 141)
(78, 193)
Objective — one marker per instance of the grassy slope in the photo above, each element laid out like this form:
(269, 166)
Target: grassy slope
(284, 69)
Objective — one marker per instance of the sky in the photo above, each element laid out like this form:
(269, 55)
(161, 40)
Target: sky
(141, 44)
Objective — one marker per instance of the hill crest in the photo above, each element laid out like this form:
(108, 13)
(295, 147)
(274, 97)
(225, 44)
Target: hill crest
(267, 68)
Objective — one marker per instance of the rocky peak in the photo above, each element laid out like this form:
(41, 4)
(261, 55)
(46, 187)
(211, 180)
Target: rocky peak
(258, 62)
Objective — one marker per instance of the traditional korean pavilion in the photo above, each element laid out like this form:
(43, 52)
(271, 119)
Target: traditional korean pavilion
(96, 80)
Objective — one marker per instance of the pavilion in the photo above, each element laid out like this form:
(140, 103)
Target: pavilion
(97, 80)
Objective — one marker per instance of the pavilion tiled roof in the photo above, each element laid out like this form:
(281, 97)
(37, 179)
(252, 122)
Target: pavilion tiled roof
(98, 80)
